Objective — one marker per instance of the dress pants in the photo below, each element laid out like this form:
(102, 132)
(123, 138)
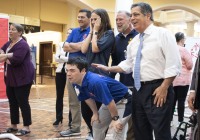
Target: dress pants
(87, 113)
(99, 129)
(130, 132)
(180, 93)
(19, 98)
(60, 89)
(75, 108)
(198, 123)
(147, 117)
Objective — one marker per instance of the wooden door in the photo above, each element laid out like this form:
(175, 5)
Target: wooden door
(45, 58)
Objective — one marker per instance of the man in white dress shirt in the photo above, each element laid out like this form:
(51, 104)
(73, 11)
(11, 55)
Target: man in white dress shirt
(159, 64)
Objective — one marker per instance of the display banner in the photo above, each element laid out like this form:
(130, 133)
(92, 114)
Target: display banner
(192, 44)
(3, 39)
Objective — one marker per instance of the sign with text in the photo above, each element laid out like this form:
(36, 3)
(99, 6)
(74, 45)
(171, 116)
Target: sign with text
(192, 44)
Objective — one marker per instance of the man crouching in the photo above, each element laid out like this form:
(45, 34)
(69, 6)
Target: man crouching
(116, 101)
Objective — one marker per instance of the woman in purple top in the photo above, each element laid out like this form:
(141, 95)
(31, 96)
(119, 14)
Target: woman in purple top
(19, 75)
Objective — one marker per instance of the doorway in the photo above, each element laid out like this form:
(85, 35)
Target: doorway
(45, 61)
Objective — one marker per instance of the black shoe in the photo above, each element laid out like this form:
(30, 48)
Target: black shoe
(22, 132)
(10, 130)
(57, 122)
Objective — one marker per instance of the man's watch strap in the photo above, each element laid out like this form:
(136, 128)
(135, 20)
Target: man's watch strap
(115, 118)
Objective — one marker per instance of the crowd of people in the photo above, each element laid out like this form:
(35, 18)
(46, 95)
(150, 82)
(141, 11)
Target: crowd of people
(154, 73)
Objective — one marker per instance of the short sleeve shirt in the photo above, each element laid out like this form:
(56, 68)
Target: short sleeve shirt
(101, 88)
(105, 44)
(77, 35)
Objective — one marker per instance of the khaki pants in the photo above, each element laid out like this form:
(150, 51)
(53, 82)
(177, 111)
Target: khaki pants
(105, 120)
(74, 106)
(130, 133)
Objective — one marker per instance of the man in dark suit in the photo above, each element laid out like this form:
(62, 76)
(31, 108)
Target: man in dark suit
(194, 97)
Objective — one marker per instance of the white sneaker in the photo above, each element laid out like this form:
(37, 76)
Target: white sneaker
(89, 137)
(69, 133)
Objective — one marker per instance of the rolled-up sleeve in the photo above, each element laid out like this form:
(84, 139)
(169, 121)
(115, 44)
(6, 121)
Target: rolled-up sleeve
(127, 65)
(172, 56)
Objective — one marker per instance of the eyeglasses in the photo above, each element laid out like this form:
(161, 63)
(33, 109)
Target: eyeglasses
(81, 17)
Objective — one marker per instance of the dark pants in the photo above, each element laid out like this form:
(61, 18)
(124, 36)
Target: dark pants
(147, 117)
(198, 123)
(19, 98)
(60, 89)
(180, 93)
(130, 132)
(87, 113)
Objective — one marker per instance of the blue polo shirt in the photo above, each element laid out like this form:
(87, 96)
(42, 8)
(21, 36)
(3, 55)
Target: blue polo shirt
(119, 54)
(101, 88)
(77, 35)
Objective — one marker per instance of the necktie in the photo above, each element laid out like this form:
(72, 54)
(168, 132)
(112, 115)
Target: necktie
(137, 64)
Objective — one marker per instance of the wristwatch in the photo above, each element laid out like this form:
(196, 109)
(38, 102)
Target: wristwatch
(96, 33)
(115, 118)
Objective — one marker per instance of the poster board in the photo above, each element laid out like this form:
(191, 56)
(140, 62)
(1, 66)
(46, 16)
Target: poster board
(192, 44)
(4, 26)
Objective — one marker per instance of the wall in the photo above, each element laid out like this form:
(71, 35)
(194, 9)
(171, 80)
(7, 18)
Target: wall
(36, 38)
(47, 10)
(54, 11)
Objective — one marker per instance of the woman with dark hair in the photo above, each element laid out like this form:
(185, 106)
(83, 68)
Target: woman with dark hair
(97, 47)
(181, 82)
(19, 75)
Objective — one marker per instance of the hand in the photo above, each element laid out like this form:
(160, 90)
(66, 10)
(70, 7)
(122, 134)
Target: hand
(66, 46)
(1, 51)
(160, 94)
(95, 117)
(117, 125)
(91, 27)
(100, 66)
(8, 61)
(191, 100)
(97, 25)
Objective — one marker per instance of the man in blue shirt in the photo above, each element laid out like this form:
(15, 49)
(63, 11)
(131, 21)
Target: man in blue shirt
(112, 94)
(73, 47)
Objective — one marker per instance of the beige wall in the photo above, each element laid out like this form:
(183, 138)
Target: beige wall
(28, 8)
(54, 11)
(106, 4)
(47, 10)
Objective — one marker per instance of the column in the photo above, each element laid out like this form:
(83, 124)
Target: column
(190, 28)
